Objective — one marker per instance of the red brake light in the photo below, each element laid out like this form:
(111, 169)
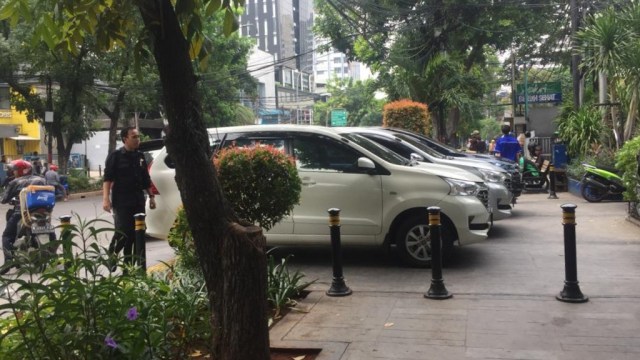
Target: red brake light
(154, 189)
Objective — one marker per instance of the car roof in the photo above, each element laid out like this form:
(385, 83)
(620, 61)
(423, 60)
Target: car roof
(271, 128)
(149, 145)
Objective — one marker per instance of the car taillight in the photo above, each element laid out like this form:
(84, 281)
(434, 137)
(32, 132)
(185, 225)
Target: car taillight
(154, 189)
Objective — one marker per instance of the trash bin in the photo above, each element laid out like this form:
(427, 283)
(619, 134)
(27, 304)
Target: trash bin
(559, 156)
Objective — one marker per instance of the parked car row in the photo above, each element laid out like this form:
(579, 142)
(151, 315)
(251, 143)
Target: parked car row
(383, 180)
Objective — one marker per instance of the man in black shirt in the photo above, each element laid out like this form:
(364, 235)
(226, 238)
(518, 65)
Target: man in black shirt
(126, 176)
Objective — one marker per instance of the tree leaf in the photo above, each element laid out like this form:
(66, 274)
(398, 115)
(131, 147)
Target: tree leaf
(212, 6)
(230, 22)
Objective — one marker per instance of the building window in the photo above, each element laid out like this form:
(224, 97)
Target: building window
(5, 97)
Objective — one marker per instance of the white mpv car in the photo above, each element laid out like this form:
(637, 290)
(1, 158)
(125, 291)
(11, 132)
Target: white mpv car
(383, 200)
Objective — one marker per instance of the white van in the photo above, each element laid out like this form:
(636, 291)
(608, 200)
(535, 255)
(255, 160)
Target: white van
(383, 200)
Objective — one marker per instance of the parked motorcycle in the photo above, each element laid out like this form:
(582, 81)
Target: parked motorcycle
(35, 231)
(599, 183)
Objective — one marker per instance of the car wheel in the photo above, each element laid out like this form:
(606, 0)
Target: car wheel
(413, 241)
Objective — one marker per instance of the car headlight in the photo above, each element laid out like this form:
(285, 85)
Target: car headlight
(462, 187)
(492, 176)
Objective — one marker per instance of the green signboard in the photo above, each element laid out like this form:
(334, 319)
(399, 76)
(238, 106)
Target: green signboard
(543, 92)
(338, 117)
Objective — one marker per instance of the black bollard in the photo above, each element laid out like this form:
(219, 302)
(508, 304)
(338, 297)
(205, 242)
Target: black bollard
(140, 246)
(338, 286)
(552, 183)
(571, 292)
(66, 240)
(437, 290)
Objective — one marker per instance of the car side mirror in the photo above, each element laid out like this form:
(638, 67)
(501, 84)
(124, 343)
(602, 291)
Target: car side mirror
(365, 163)
(416, 157)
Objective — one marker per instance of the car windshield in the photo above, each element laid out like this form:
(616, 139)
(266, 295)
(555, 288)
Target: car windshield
(378, 150)
(415, 142)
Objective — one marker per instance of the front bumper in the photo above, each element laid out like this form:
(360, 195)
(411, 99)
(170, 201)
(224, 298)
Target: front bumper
(500, 201)
(469, 216)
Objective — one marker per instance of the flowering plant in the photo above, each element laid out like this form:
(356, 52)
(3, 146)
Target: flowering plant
(82, 311)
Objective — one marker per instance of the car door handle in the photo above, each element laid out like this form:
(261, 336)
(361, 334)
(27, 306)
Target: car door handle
(308, 181)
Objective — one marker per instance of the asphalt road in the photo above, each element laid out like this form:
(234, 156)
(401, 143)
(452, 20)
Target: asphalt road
(523, 254)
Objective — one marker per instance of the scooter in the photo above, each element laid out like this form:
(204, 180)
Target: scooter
(35, 231)
(599, 183)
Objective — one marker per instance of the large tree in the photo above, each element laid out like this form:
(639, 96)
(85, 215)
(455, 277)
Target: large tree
(610, 45)
(358, 98)
(406, 41)
(232, 256)
(22, 64)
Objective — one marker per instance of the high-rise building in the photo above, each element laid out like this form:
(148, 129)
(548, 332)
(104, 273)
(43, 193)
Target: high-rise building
(283, 28)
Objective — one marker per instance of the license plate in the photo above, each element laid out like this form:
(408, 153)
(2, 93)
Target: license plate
(42, 229)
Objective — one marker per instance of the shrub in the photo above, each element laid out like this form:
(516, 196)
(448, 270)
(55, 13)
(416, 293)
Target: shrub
(581, 131)
(627, 161)
(407, 114)
(79, 181)
(283, 286)
(77, 310)
(181, 240)
(261, 183)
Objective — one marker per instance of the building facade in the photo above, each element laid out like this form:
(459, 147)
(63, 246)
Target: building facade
(283, 28)
(19, 138)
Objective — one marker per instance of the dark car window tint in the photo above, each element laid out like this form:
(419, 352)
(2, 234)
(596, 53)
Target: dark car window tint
(323, 154)
(391, 144)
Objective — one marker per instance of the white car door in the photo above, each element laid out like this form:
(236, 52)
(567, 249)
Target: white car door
(331, 179)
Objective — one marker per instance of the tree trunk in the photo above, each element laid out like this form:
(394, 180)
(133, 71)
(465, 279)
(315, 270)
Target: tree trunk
(629, 125)
(239, 323)
(239, 319)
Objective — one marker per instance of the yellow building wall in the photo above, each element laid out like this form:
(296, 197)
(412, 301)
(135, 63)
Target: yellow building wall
(15, 149)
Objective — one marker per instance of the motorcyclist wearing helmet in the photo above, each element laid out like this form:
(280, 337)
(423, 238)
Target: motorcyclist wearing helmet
(22, 171)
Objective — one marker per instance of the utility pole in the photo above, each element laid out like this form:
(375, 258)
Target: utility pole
(514, 96)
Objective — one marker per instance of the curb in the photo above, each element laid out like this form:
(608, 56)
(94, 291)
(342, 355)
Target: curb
(84, 194)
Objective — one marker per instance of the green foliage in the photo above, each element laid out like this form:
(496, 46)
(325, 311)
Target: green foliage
(76, 309)
(582, 131)
(181, 240)
(357, 97)
(79, 181)
(261, 183)
(627, 161)
(283, 286)
(406, 114)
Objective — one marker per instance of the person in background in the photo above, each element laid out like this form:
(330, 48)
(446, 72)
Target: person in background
(37, 164)
(472, 143)
(507, 146)
(52, 177)
(492, 147)
(126, 177)
(3, 169)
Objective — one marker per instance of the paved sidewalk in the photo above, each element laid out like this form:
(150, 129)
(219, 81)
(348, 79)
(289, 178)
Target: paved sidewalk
(503, 304)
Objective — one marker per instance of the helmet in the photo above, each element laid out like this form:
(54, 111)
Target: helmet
(20, 167)
(53, 167)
